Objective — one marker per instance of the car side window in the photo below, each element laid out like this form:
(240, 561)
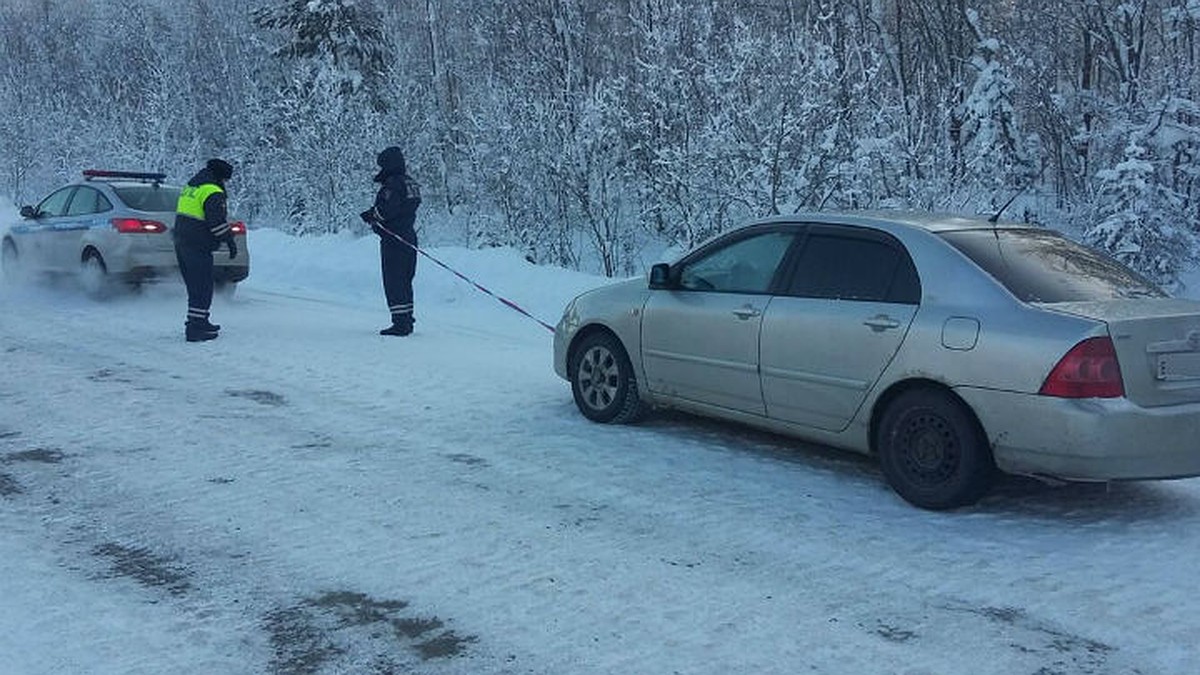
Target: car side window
(56, 203)
(849, 267)
(86, 201)
(744, 266)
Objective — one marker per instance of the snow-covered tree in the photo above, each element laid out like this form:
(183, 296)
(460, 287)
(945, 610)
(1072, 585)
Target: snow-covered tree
(576, 130)
(340, 40)
(1139, 220)
(325, 108)
(995, 156)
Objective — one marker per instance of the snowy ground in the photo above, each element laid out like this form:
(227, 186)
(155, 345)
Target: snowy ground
(305, 496)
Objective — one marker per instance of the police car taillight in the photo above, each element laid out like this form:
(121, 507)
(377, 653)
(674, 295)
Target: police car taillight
(237, 227)
(138, 226)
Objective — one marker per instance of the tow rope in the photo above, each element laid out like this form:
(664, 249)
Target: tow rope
(505, 301)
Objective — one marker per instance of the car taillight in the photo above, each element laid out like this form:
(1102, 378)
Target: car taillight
(237, 227)
(137, 225)
(1089, 370)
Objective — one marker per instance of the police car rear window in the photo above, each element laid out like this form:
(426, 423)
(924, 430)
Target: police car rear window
(148, 197)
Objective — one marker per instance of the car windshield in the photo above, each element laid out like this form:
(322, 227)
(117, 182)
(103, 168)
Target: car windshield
(1044, 266)
(148, 197)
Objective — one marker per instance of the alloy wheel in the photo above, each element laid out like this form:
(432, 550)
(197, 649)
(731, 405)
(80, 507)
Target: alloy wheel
(599, 377)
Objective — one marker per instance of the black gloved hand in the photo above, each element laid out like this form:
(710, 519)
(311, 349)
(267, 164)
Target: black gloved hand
(232, 246)
(371, 219)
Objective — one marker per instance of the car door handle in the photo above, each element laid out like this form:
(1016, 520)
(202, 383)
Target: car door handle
(881, 322)
(746, 312)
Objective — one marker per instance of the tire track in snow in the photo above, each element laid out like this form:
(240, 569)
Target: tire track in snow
(131, 542)
(810, 564)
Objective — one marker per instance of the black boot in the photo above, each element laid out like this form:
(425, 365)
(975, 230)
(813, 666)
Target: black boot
(199, 332)
(399, 329)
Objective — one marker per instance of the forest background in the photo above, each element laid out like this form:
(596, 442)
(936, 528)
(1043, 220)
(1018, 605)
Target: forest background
(580, 131)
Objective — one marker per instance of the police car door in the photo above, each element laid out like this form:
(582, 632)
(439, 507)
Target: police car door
(40, 230)
(81, 214)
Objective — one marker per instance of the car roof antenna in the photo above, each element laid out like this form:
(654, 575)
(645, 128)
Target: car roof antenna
(995, 217)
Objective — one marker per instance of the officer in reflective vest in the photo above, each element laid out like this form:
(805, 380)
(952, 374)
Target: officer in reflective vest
(201, 227)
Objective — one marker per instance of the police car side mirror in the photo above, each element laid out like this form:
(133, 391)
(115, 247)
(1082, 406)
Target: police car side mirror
(29, 212)
(660, 276)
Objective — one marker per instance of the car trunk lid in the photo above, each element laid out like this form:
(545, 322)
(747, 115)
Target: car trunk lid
(166, 241)
(1157, 341)
(151, 201)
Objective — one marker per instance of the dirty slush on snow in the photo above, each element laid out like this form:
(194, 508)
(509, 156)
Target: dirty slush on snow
(9, 485)
(305, 637)
(336, 630)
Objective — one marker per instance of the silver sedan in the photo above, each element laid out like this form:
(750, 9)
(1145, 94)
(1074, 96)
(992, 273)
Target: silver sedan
(112, 226)
(948, 347)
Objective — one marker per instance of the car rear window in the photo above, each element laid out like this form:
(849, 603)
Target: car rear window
(148, 197)
(1045, 266)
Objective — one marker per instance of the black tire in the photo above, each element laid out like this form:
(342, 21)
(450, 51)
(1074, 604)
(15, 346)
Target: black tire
(10, 261)
(933, 451)
(603, 382)
(93, 275)
(225, 289)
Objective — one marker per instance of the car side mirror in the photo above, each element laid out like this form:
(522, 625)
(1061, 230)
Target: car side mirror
(28, 212)
(660, 276)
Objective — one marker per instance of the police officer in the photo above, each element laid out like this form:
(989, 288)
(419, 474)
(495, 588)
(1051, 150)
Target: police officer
(201, 227)
(393, 216)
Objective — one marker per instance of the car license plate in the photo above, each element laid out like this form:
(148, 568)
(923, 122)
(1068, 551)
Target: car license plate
(1178, 366)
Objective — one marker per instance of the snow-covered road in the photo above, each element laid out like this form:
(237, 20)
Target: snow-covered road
(304, 496)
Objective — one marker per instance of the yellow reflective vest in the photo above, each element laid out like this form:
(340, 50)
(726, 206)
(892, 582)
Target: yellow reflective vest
(192, 198)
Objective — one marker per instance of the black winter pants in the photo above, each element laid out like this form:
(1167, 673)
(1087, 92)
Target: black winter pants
(196, 265)
(399, 262)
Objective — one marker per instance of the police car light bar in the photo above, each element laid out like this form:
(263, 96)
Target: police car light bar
(135, 175)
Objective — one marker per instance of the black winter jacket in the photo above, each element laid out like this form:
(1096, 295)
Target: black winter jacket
(396, 203)
(214, 229)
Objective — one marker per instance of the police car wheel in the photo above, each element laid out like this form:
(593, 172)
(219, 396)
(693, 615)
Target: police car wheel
(93, 274)
(10, 261)
(225, 289)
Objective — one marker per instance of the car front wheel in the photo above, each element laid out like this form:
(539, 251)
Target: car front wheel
(603, 382)
(933, 452)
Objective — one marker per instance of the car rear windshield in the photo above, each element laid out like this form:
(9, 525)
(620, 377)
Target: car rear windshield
(148, 197)
(1044, 266)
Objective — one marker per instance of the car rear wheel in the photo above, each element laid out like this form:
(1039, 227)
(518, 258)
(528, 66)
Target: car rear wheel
(933, 452)
(10, 261)
(93, 275)
(225, 289)
(603, 382)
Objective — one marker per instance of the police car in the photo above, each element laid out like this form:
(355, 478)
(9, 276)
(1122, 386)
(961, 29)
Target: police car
(111, 229)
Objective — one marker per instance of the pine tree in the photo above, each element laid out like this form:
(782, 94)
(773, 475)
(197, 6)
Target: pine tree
(995, 158)
(1138, 219)
(325, 106)
(342, 39)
